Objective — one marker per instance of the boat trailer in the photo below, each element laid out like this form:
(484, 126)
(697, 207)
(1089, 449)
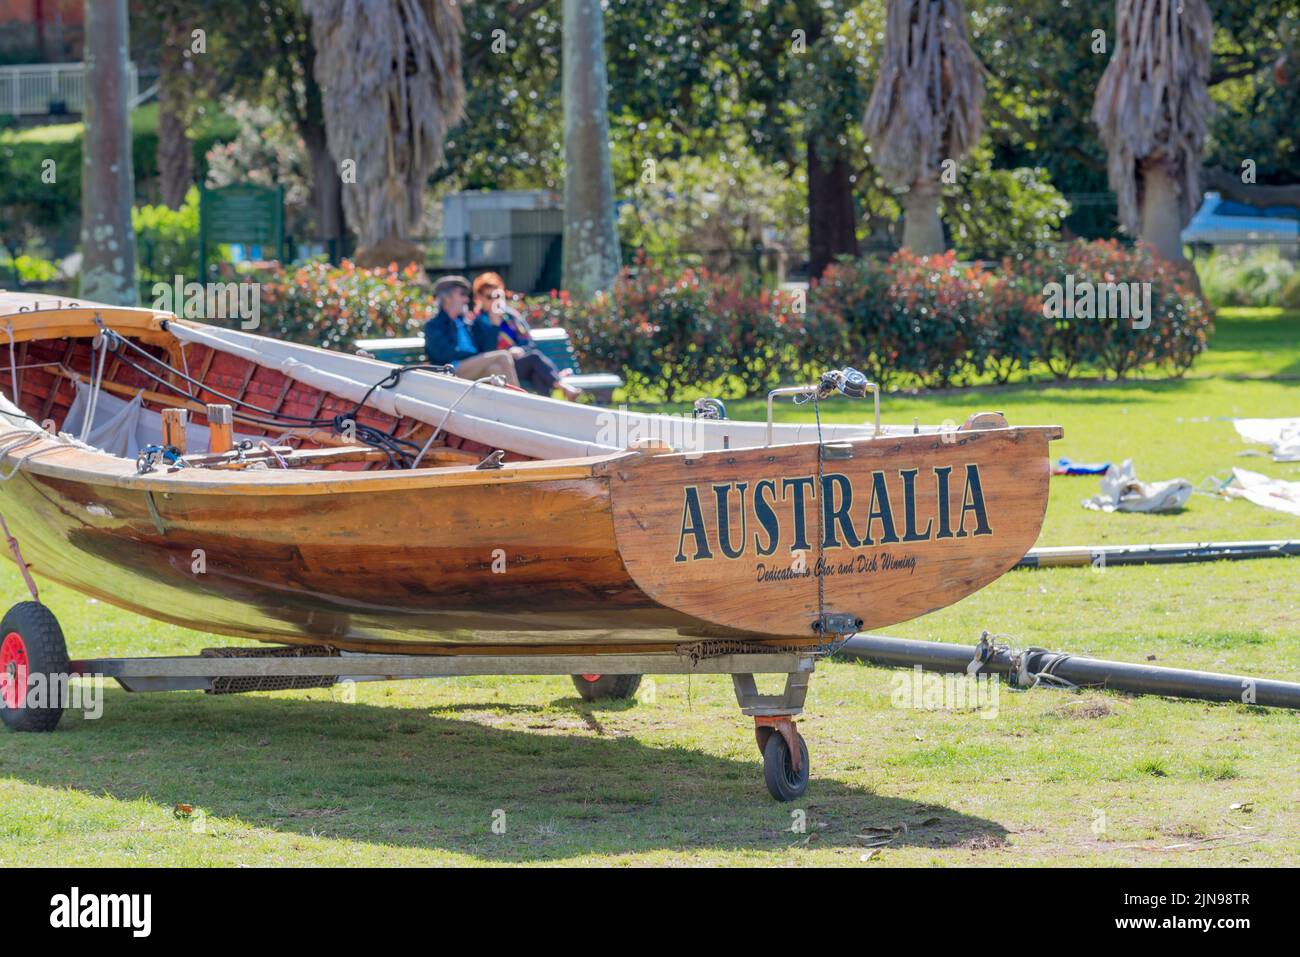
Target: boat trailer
(35, 647)
(785, 754)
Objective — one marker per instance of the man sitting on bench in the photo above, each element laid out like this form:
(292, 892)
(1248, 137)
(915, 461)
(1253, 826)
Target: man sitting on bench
(467, 343)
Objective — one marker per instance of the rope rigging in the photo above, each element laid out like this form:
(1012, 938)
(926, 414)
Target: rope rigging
(401, 453)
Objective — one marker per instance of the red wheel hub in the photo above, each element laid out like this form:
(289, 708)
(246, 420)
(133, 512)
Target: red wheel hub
(591, 677)
(13, 670)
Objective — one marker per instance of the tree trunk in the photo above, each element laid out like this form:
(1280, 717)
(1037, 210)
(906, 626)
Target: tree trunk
(326, 191)
(107, 178)
(326, 178)
(922, 228)
(832, 219)
(175, 153)
(1162, 221)
(591, 251)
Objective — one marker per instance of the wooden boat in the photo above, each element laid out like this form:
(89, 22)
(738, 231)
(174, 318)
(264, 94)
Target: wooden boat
(529, 524)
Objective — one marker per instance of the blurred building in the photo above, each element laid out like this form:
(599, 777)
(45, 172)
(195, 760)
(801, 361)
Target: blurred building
(40, 31)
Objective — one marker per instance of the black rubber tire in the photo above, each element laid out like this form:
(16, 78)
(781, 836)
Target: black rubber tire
(47, 654)
(778, 771)
(607, 687)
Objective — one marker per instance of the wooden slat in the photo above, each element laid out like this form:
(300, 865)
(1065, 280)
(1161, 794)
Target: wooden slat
(173, 429)
(220, 429)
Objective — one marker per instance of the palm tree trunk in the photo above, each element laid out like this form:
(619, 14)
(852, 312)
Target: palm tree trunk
(591, 251)
(1162, 220)
(175, 154)
(107, 176)
(922, 228)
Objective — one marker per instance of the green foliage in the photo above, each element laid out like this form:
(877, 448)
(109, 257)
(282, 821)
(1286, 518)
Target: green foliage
(1258, 277)
(1290, 298)
(909, 320)
(28, 203)
(26, 268)
(999, 212)
(167, 240)
(330, 306)
(512, 135)
(1180, 320)
(267, 151)
(670, 334)
(713, 210)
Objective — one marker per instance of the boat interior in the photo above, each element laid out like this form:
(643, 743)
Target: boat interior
(144, 386)
(277, 421)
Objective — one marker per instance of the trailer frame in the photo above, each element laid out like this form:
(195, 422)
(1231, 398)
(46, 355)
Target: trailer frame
(779, 742)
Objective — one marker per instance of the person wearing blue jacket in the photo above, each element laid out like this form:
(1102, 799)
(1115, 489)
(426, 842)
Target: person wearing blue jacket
(461, 340)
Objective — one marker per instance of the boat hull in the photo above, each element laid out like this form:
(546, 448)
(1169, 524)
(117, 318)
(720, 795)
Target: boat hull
(358, 565)
(629, 551)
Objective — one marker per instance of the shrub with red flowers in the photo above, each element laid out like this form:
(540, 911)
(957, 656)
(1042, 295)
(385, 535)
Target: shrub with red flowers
(909, 320)
(331, 306)
(668, 334)
(1088, 280)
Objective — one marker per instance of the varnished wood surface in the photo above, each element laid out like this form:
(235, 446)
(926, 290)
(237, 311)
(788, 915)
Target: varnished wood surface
(881, 583)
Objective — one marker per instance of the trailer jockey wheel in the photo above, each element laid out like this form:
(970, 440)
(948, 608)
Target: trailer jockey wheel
(31, 648)
(785, 770)
(606, 687)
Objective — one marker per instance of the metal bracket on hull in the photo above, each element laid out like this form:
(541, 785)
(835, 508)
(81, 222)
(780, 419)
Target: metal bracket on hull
(18, 557)
(790, 702)
(154, 513)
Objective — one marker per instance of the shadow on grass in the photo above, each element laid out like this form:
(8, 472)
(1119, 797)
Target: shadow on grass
(391, 776)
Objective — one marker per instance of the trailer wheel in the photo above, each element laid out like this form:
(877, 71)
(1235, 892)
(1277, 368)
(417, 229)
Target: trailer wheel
(606, 687)
(31, 643)
(783, 781)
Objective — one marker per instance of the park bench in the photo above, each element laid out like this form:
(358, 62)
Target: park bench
(552, 343)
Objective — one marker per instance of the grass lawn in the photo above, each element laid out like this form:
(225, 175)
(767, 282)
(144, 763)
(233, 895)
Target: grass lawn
(144, 119)
(413, 772)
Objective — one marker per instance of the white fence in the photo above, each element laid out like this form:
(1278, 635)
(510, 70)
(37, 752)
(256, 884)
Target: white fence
(29, 90)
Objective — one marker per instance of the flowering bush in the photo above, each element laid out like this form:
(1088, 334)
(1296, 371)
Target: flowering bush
(668, 334)
(330, 306)
(922, 319)
(925, 320)
(1172, 332)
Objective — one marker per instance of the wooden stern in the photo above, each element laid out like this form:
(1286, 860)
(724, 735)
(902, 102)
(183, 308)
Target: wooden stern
(907, 525)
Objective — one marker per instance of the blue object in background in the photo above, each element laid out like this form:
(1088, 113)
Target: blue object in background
(1066, 467)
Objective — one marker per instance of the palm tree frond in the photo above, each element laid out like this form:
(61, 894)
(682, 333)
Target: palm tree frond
(1153, 102)
(926, 104)
(390, 74)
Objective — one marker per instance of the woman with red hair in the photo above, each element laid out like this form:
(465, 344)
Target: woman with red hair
(536, 371)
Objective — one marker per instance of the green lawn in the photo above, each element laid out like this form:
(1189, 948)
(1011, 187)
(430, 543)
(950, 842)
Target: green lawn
(144, 119)
(412, 772)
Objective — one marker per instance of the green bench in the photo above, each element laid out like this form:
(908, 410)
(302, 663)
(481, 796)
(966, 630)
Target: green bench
(555, 345)
(552, 343)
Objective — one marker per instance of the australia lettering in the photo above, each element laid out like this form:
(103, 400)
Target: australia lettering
(778, 516)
